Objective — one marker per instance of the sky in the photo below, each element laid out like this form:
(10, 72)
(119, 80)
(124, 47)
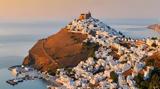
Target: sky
(58, 10)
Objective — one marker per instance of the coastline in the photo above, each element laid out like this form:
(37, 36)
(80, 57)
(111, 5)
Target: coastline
(23, 73)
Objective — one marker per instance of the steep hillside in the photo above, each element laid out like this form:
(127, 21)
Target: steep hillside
(89, 54)
(63, 49)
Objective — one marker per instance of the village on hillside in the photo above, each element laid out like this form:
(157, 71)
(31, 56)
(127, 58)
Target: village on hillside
(116, 63)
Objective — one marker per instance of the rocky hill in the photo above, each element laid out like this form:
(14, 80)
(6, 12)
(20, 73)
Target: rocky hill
(155, 27)
(89, 54)
(63, 49)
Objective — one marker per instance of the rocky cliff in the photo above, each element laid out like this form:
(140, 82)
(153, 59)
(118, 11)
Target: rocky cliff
(63, 49)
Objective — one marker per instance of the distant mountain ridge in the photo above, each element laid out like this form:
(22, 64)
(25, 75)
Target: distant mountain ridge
(155, 27)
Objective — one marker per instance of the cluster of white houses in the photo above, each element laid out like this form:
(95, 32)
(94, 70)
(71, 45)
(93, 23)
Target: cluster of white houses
(115, 64)
(96, 71)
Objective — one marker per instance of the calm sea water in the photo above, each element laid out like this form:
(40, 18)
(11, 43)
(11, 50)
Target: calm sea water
(32, 84)
(17, 38)
(15, 41)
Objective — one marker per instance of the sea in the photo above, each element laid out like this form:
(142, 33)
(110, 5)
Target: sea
(16, 38)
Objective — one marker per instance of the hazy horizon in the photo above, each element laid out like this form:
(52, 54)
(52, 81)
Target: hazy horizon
(59, 10)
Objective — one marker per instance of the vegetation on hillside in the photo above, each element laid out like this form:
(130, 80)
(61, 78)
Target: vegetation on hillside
(154, 80)
(114, 76)
(152, 83)
(91, 47)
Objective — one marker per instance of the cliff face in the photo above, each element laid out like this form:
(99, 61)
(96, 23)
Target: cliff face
(64, 49)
